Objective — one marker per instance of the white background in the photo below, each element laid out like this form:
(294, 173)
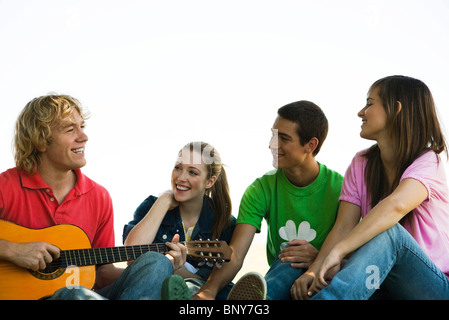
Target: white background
(158, 74)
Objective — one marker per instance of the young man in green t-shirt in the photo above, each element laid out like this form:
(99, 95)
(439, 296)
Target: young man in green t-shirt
(299, 200)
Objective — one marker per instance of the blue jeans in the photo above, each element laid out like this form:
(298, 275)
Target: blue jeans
(392, 263)
(141, 280)
(280, 278)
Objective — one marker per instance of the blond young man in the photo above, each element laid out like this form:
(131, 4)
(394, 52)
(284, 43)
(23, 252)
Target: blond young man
(47, 188)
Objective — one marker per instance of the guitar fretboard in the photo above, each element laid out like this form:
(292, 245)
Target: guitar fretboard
(94, 256)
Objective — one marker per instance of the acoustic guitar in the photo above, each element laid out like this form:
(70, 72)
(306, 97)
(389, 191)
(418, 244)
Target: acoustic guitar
(77, 261)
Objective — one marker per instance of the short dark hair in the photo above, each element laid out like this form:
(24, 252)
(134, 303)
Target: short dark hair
(310, 119)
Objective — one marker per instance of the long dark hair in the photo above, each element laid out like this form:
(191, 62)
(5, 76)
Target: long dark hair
(413, 131)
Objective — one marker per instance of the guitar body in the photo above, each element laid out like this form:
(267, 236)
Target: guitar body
(22, 284)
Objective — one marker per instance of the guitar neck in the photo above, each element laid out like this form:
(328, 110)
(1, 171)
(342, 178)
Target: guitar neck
(94, 256)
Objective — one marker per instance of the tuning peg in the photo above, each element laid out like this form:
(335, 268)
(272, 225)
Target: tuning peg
(218, 265)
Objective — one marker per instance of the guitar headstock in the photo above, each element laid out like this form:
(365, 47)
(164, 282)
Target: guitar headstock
(212, 252)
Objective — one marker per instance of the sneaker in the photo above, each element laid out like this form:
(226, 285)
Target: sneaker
(175, 288)
(251, 286)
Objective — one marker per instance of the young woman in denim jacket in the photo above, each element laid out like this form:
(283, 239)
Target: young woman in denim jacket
(198, 206)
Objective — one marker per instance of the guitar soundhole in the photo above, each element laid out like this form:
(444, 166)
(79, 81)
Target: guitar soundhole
(52, 271)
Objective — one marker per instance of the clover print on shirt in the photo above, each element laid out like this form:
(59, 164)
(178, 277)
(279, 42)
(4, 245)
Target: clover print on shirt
(288, 232)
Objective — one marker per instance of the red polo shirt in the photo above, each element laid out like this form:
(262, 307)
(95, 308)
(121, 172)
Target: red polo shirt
(27, 201)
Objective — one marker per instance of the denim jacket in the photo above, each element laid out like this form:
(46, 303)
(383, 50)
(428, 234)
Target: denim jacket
(172, 224)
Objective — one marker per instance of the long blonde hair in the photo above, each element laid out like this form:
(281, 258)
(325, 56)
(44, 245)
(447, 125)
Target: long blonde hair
(219, 192)
(33, 127)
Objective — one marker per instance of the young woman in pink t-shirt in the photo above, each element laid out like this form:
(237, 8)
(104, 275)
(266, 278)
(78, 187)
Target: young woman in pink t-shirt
(400, 247)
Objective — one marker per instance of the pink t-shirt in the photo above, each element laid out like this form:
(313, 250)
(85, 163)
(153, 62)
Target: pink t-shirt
(430, 218)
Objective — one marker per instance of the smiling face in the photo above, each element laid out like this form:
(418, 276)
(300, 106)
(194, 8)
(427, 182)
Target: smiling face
(374, 117)
(285, 145)
(190, 177)
(65, 152)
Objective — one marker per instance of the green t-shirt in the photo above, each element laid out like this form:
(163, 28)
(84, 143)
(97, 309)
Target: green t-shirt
(291, 212)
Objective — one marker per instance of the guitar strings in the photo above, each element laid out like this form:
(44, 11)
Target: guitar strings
(93, 256)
